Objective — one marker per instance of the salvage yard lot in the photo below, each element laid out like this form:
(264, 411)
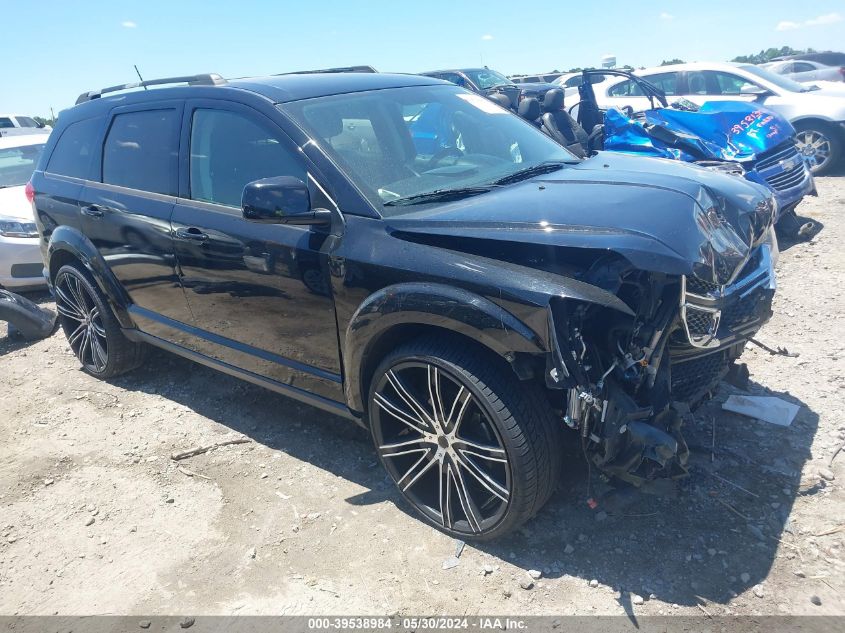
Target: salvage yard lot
(97, 518)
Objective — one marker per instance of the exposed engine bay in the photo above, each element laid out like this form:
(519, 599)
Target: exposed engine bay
(630, 379)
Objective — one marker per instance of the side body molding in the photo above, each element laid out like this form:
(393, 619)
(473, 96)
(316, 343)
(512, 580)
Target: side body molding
(65, 239)
(431, 304)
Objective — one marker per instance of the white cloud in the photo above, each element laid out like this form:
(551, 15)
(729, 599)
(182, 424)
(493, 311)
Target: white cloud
(822, 20)
(666, 16)
(827, 18)
(128, 24)
(487, 37)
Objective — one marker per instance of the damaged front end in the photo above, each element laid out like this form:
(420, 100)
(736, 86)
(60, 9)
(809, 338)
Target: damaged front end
(628, 380)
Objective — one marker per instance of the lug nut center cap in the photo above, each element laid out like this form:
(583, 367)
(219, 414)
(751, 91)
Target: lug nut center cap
(442, 442)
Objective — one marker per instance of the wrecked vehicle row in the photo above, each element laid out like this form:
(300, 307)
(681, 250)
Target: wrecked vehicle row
(409, 255)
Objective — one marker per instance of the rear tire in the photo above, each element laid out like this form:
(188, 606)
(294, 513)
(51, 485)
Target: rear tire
(821, 142)
(94, 335)
(482, 460)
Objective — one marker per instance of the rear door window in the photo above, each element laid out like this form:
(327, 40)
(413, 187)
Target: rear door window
(141, 151)
(75, 148)
(6, 122)
(667, 82)
(626, 88)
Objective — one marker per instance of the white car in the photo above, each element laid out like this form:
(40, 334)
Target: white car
(818, 114)
(804, 71)
(14, 124)
(21, 265)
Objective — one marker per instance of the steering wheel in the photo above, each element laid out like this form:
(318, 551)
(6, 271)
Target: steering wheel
(441, 154)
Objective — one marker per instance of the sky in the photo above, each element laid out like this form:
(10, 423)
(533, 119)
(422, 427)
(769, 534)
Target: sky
(66, 48)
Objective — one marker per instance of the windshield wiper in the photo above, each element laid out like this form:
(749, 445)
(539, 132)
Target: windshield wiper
(438, 195)
(530, 172)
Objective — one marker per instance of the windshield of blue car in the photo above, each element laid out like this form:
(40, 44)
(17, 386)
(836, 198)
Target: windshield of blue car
(779, 80)
(403, 142)
(17, 164)
(487, 78)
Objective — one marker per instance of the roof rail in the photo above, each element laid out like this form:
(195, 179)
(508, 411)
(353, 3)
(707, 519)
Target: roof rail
(208, 79)
(342, 69)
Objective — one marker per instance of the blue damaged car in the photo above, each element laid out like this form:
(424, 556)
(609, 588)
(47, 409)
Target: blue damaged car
(736, 137)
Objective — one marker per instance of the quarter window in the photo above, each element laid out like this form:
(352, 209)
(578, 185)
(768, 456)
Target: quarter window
(140, 151)
(6, 122)
(73, 152)
(229, 150)
(802, 67)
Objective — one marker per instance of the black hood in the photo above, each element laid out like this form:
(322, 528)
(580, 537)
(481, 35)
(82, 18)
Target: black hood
(661, 215)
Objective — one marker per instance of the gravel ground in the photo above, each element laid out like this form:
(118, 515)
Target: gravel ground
(95, 518)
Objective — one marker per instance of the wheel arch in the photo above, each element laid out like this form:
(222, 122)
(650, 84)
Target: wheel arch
(402, 311)
(69, 246)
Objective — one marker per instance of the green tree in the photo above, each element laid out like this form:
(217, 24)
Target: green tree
(669, 62)
(768, 55)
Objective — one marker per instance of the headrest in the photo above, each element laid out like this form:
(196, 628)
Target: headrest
(325, 121)
(529, 108)
(553, 101)
(501, 99)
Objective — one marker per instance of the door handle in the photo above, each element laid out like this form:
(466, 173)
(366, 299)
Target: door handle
(94, 211)
(191, 233)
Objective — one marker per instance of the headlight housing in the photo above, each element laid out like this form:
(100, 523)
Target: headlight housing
(12, 227)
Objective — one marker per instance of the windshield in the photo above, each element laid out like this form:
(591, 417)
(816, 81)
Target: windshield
(403, 142)
(487, 78)
(17, 164)
(779, 80)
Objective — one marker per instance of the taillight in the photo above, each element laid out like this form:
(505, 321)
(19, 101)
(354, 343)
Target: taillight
(842, 72)
(30, 192)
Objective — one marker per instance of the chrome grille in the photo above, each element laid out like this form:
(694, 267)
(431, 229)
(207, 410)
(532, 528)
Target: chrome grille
(700, 287)
(700, 323)
(782, 168)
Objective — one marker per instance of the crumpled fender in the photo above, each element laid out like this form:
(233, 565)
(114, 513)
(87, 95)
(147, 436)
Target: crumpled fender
(70, 240)
(720, 130)
(31, 320)
(451, 308)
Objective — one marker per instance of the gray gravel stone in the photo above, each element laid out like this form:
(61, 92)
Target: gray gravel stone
(826, 474)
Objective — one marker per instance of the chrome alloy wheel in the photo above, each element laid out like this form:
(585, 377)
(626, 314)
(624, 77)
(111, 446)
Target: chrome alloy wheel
(440, 447)
(815, 146)
(82, 322)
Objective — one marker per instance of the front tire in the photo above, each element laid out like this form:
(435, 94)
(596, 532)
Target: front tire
(473, 450)
(92, 330)
(821, 143)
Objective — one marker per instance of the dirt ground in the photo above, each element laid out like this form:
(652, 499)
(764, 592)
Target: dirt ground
(95, 518)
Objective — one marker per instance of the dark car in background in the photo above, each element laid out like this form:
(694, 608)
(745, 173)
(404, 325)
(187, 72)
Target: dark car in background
(489, 82)
(469, 307)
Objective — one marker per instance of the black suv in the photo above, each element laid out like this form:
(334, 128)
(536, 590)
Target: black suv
(471, 301)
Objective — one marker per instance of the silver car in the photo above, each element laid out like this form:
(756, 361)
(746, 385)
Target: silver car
(20, 256)
(804, 71)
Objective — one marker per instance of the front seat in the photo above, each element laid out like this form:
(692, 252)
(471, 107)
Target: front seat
(557, 123)
(529, 109)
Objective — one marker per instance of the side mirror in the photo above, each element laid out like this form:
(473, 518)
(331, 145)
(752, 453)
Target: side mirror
(281, 200)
